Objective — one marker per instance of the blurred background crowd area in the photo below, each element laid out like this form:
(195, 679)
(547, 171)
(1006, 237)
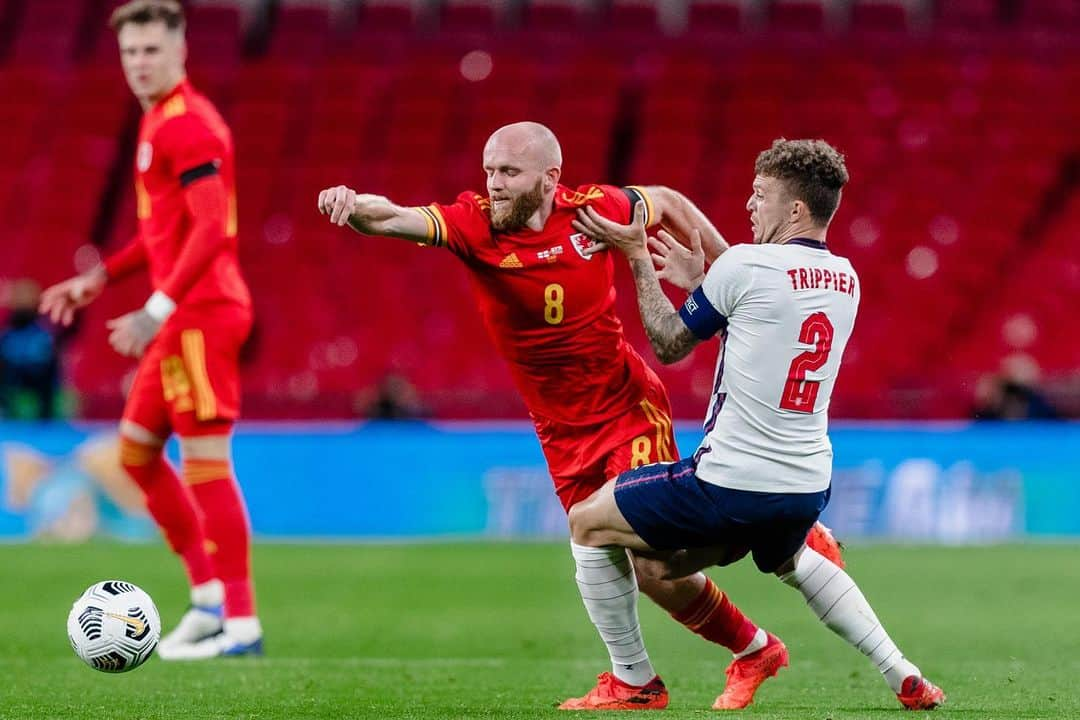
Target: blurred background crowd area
(958, 119)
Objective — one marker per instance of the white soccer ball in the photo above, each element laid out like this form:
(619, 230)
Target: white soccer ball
(114, 626)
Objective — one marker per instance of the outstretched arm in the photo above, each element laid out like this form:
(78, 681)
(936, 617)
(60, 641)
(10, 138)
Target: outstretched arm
(375, 215)
(671, 339)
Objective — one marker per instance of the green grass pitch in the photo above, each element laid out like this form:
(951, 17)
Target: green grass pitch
(497, 631)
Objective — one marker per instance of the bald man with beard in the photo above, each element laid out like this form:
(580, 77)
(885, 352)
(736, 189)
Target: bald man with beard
(598, 408)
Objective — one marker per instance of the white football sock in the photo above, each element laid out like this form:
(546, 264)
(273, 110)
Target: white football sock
(208, 594)
(243, 629)
(609, 590)
(837, 601)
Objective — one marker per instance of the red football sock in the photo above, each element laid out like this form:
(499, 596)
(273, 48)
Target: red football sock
(715, 618)
(171, 505)
(227, 528)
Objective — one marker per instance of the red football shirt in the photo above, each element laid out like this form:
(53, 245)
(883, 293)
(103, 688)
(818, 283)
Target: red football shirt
(549, 309)
(182, 139)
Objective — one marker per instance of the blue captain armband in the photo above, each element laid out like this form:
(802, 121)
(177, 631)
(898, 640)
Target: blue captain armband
(700, 316)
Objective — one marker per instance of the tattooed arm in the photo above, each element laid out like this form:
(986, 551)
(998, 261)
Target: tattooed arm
(671, 339)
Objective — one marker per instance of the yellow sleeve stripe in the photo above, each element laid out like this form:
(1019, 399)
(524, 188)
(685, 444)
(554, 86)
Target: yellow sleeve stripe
(441, 221)
(193, 348)
(436, 227)
(430, 224)
(650, 212)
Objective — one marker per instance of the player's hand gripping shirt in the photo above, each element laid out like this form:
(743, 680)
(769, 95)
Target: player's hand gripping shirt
(787, 312)
(183, 140)
(550, 309)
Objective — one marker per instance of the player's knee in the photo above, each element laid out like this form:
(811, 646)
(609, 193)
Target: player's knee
(137, 458)
(584, 530)
(206, 447)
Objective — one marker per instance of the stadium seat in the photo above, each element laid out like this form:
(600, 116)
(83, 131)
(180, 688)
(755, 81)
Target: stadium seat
(48, 31)
(633, 16)
(215, 34)
(473, 16)
(555, 16)
(797, 16)
(1055, 15)
(302, 33)
(968, 15)
(376, 18)
(705, 17)
(876, 16)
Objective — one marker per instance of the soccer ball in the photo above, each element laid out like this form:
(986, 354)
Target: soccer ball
(114, 626)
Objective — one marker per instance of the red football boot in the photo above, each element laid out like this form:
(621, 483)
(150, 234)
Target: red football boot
(746, 674)
(918, 693)
(611, 693)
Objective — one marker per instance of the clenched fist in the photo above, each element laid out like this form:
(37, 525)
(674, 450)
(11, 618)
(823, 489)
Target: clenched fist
(339, 203)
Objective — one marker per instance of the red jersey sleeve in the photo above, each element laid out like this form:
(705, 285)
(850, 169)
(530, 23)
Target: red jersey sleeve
(190, 148)
(195, 157)
(460, 226)
(208, 205)
(617, 203)
(129, 259)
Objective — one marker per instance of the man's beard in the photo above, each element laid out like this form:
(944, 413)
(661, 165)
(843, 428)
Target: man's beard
(521, 209)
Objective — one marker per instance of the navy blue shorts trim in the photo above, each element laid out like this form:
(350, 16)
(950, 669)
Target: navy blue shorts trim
(671, 509)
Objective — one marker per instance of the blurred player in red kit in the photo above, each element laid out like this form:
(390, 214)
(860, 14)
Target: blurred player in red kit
(188, 334)
(597, 407)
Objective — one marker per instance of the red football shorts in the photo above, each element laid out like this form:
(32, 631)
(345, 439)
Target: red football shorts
(581, 458)
(190, 374)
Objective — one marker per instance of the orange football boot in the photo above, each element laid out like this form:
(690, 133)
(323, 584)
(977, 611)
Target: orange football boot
(746, 674)
(611, 693)
(918, 693)
(821, 539)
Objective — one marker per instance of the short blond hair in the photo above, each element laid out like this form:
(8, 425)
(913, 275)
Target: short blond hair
(812, 170)
(142, 12)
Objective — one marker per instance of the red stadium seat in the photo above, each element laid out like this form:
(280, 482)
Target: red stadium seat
(215, 34)
(876, 16)
(556, 16)
(389, 17)
(471, 16)
(968, 15)
(800, 16)
(715, 16)
(302, 33)
(633, 16)
(1056, 15)
(48, 32)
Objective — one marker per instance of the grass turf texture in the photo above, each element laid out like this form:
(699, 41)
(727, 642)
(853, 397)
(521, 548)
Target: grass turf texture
(498, 631)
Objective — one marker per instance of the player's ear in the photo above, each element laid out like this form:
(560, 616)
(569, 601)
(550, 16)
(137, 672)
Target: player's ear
(799, 211)
(551, 179)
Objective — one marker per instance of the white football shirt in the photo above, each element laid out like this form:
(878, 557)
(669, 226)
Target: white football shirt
(788, 311)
